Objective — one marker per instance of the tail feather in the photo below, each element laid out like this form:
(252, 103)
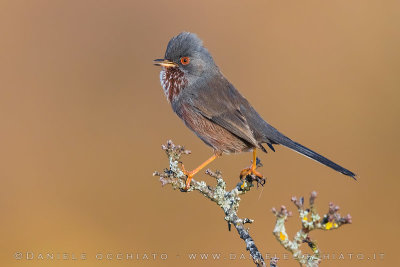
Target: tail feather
(283, 140)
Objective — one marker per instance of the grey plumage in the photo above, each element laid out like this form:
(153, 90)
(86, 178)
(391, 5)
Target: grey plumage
(212, 107)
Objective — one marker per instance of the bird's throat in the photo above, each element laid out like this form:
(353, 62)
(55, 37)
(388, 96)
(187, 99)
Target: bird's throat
(173, 81)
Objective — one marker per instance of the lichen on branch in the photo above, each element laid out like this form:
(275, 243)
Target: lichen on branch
(228, 200)
(310, 220)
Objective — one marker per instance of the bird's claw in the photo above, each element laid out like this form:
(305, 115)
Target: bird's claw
(189, 176)
(249, 175)
(250, 171)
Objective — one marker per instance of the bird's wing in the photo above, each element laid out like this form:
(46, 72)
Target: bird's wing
(221, 103)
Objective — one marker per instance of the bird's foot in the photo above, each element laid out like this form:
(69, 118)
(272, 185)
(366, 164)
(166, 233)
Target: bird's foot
(189, 176)
(250, 175)
(250, 171)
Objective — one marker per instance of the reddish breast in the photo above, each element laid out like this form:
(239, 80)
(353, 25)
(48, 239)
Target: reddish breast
(172, 81)
(211, 133)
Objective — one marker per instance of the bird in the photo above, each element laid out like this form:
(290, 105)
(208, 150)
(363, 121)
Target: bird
(215, 110)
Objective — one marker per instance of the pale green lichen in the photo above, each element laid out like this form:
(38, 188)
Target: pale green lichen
(227, 200)
(309, 223)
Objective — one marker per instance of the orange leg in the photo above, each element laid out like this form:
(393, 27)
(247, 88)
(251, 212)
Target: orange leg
(252, 169)
(192, 173)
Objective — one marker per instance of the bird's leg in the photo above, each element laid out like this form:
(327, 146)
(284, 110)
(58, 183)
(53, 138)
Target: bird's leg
(252, 168)
(192, 173)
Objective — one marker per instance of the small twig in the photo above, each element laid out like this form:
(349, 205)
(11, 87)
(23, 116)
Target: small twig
(273, 262)
(227, 200)
(310, 220)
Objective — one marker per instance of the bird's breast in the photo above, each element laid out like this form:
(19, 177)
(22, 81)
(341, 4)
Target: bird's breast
(173, 81)
(214, 135)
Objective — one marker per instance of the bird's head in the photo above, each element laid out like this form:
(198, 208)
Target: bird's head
(187, 53)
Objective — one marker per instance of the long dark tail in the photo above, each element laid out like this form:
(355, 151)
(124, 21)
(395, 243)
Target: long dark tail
(283, 140)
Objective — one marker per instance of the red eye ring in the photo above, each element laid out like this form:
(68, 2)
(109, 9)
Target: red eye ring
(185, 60)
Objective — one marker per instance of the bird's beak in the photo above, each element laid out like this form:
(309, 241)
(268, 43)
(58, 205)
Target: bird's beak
(164, 63)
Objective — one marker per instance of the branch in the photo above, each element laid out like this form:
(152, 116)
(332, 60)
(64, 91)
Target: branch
(229, 203)
(227, 200)
(310, 220)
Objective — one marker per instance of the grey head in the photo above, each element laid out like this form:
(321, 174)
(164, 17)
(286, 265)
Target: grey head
(186, 52)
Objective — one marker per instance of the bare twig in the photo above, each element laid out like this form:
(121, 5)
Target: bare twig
(310, 220)
(227, 200)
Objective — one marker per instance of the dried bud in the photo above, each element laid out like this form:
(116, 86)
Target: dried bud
(314, 194)
(163, 181)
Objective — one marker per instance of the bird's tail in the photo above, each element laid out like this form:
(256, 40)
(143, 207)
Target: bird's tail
(283, 140)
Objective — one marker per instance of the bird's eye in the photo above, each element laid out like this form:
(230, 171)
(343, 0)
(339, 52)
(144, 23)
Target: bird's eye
(185, 60)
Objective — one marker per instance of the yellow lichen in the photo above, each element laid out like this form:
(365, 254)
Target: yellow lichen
(328, 225)
(282, 236)
(305, 218)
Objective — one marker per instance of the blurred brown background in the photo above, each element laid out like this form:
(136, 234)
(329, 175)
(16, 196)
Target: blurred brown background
(83, 116)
